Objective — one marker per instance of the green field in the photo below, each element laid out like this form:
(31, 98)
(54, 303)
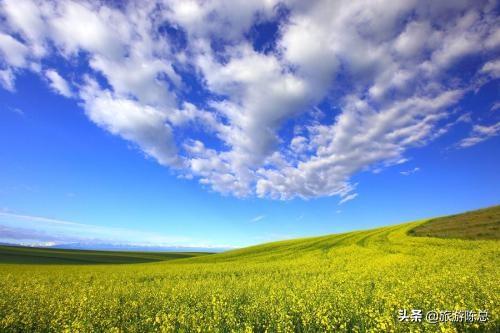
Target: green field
(33, 255)
(351, 282)
(478, 224)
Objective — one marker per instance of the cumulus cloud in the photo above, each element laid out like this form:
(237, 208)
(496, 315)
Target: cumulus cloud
(360, 82)
(14, 52)
(141, 124)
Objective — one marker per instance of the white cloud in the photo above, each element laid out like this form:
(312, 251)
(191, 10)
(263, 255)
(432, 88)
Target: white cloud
(25, 18)
(260, 97)
(412, 41)
(410, 172)
(492, 68)
(35, 218)
(382, 72)
(57, 83)
(29, 229)
(13, 52)
(299, 144)
(360, 137)
(258, 218)
(141, 124)
(348, 198)
(7, 79)
(81, 25)
(226, 19)
(17, 111)
(479, 134)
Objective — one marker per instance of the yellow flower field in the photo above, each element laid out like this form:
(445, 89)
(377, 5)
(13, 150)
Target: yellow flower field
(353, 282)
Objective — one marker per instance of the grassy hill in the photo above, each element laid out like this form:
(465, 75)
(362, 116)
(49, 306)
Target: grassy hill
(478, 224)
(33, 255)
(351, 282)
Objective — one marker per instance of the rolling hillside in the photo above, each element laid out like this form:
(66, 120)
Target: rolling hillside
(475, 225)
(351, 282)
(482, 224)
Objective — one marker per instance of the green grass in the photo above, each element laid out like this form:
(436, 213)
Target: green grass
(474, 225)
(33, 255)
(351, 282)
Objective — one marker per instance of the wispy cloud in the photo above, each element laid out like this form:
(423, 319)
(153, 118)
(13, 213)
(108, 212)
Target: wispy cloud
(410, 172)
(57, 83)
(479, 134)
(495, 106)
(33, 218)
(30, 229)
(258, 218)
(348, 198)
(15, 110)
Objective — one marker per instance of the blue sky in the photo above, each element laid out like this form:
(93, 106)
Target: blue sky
(226, 124)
